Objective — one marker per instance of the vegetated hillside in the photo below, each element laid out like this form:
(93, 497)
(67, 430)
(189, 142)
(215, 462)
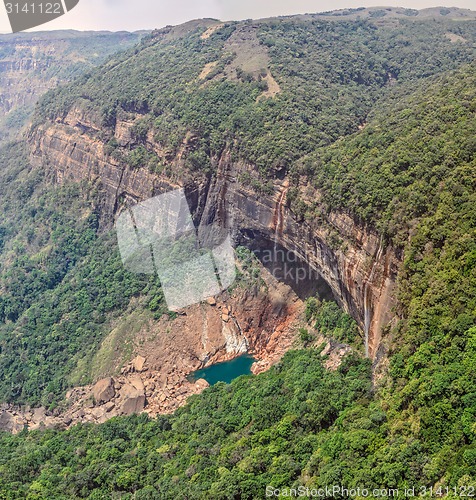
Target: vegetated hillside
(61, 281)
(295, 106)
(230, 442)
(298, 424)
(271, 92)
(33, 63)
(386, 13)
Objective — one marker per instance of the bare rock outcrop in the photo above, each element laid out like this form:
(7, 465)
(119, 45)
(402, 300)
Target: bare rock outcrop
(133, 397)
(360, 270)
(138, 363)
(103, 391)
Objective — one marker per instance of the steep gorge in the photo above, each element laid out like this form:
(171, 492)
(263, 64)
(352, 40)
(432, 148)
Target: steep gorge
(249, 161)
(360, 272)
(369, 140)
(191, 107)
(33, 63)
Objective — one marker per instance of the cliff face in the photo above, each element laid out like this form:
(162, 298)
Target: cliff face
(16, 75)
(360, 272)
(33, 63)
(358, 269)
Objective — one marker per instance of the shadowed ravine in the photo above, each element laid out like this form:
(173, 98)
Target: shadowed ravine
(360, 273)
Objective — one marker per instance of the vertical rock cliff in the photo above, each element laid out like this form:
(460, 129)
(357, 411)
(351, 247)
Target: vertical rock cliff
(356, 266)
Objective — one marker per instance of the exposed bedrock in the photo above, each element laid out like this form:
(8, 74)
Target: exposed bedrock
(358, 269)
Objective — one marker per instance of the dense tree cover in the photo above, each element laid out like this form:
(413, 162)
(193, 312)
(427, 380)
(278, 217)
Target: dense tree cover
(329, 320)
(330, 74)
(62, 281)
(230, 442)
(419, 427)
(403, 162)
(409, 173)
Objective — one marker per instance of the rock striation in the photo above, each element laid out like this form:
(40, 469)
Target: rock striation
(33, 63)
(360, 270)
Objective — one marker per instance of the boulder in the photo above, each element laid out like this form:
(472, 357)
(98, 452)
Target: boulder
(201, 384)
(98, 413)
(109, 407)
(104, 391)
(133, 400)
(136, 381)
(138, 363)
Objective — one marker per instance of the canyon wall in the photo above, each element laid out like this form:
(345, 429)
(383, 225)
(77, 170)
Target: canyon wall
(358, 268)
(33, 63)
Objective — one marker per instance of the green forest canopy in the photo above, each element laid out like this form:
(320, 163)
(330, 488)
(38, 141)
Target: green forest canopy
(410, 172)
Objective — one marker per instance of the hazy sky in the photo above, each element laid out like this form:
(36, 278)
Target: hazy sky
(131, 15)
